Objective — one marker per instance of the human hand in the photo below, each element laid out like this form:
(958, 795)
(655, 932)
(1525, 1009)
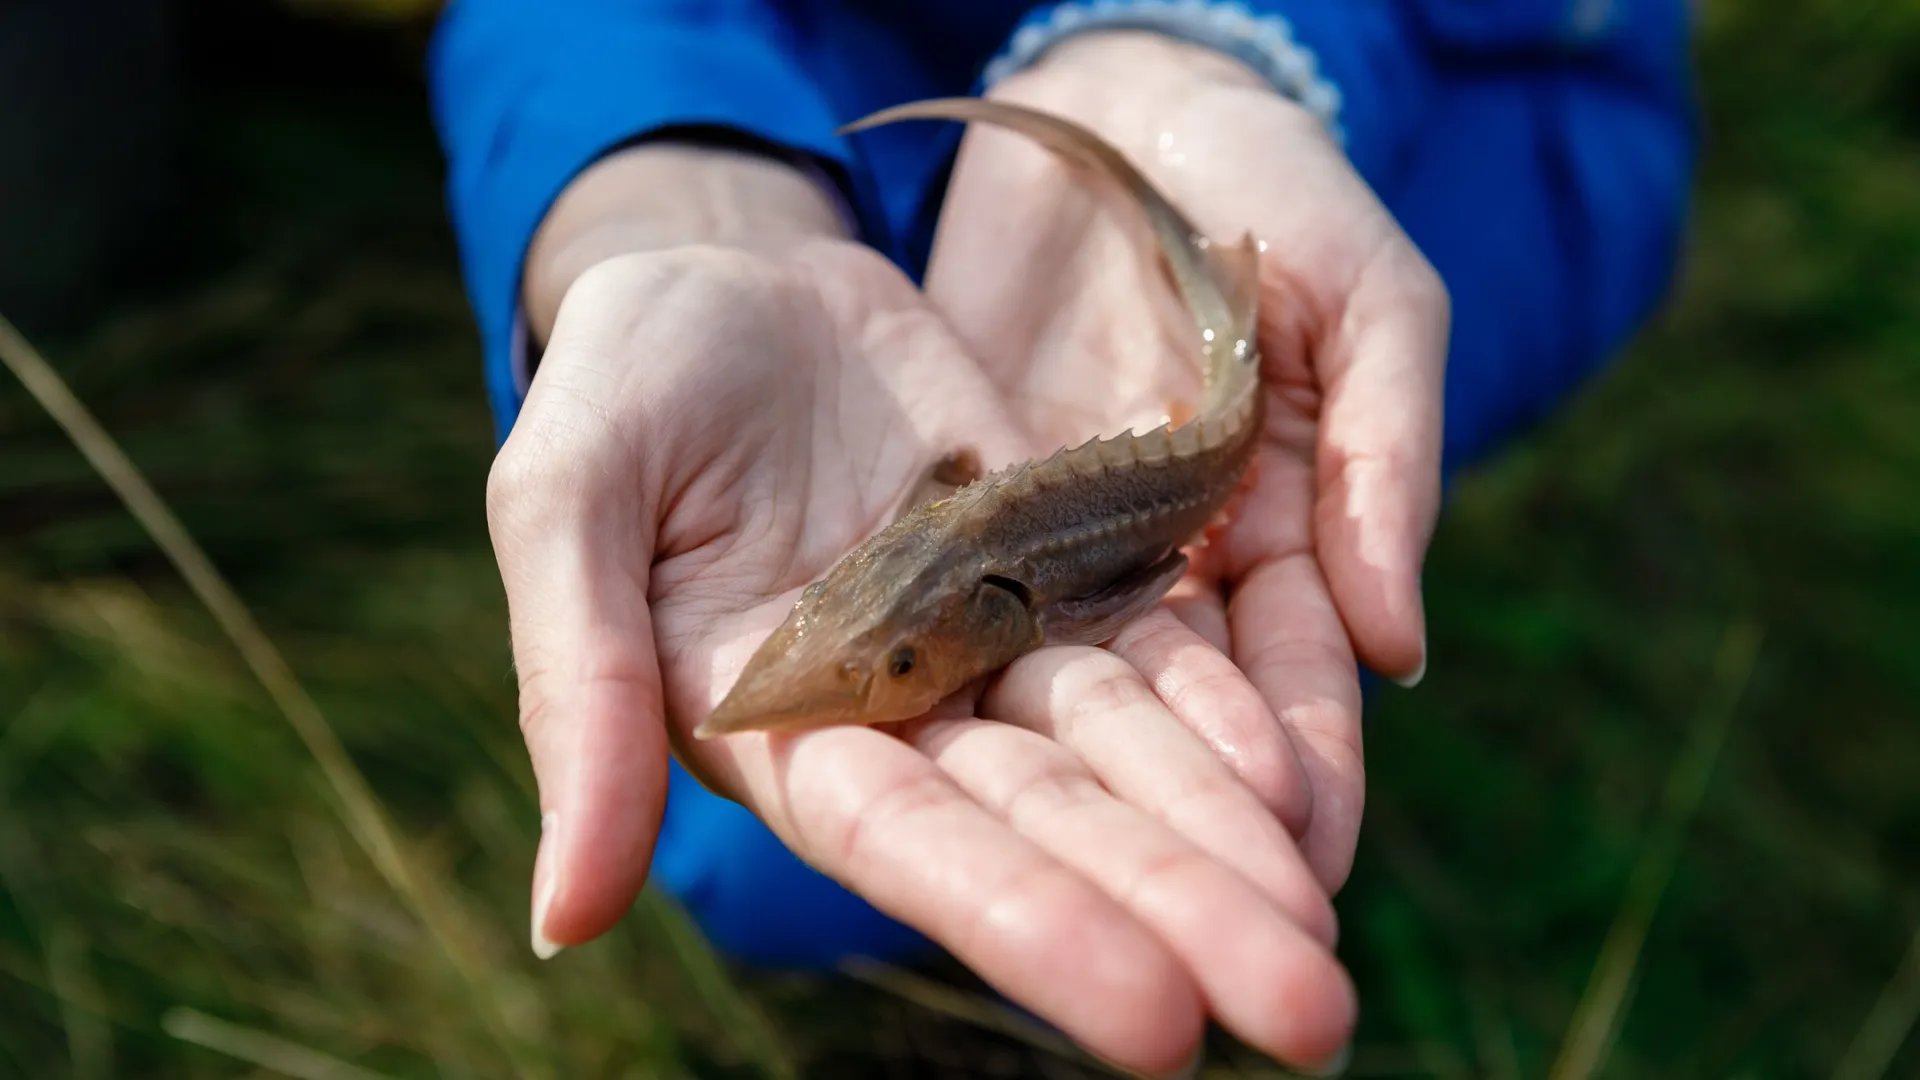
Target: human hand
(1256, 654)
(710, 429)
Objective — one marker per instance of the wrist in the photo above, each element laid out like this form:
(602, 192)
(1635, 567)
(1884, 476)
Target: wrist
(1137, 63)
(1137, 87)
(664, 194)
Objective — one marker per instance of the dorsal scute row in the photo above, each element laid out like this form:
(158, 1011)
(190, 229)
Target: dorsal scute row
(1101, 455)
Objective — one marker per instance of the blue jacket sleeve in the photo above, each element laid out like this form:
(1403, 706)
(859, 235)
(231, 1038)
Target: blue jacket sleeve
(1540, 152)
(525, 95)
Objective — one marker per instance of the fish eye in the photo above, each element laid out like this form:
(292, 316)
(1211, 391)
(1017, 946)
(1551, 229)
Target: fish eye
(900, 662)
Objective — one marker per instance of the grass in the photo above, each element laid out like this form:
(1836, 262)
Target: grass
(1650, 816)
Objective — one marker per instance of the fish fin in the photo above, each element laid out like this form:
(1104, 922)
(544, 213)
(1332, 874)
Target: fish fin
(1096, 618)
(944, 477)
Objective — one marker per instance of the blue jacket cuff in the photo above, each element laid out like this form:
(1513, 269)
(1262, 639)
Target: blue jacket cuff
(1350, 64)
(539, 125)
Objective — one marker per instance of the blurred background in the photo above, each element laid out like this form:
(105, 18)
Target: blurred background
(1655, 812)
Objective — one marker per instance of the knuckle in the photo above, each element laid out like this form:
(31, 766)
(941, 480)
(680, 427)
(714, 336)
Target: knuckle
(536, 704)
(1328, 732)
(1023, 895)
(1154, 638)
(1203, 801)
(853, 845)
(530, 488)
(1401, 270)
(1274, 778)
(1427, 288)
(1165, 870)
(1111, 686)
(1216, 690)
(1303, 655)
(511, 475)
(553, 696)
(1246, 736)
(1048, 793)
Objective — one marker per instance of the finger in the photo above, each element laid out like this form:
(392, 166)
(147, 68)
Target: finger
(876, 815)
(574, 569)
(1289, 639)
(1267, 980)
(869, 811)
(1095, 703)
(1377, 483)
(1212, 697)
(1196, 602)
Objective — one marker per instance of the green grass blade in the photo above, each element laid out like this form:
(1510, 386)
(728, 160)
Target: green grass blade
(1596, 1020)
(1887, 1024)
(749, 1030)
(259, 1048)
(363, 815)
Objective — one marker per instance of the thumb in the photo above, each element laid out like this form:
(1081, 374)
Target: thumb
(574, 563)
(1378, 460)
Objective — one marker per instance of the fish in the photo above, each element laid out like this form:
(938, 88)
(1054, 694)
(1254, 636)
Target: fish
(979, 569)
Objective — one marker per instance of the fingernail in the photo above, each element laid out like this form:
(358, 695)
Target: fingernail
(1334, 1066)
(1413, 680)
(1408, 682)
(544, 886)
